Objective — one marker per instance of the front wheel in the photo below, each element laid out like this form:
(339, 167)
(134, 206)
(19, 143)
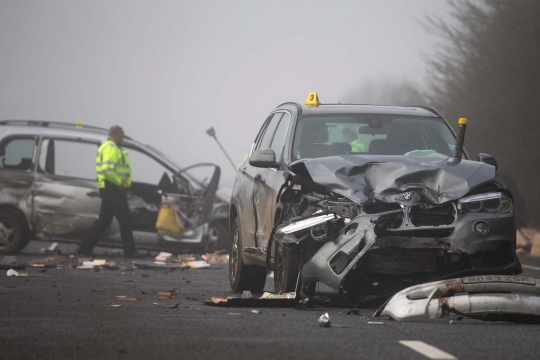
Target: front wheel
(241, 276)
(14, 232)
(286, 270)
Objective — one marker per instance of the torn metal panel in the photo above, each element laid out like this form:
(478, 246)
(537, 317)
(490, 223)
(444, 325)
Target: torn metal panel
(385, 178)
(507, 298)
(336, 258)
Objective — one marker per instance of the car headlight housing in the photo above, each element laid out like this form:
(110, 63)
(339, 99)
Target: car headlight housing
(493, 202)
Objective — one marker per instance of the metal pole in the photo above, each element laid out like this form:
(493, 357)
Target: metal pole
(212, 133)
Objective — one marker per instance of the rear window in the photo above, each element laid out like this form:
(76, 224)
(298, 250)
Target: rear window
(364, 134)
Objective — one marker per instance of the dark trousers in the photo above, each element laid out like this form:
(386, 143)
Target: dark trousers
(113, 204)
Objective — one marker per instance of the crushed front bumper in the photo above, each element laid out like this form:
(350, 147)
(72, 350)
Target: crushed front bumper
(410, 255)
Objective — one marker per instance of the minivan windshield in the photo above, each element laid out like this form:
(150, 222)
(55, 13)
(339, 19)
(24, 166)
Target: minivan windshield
(364, 134)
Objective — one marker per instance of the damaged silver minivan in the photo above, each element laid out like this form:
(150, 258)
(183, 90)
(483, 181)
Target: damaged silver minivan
(367, 200)
(49, 191)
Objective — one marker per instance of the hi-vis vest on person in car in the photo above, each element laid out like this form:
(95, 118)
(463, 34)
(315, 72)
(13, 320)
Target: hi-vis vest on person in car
(112, 164)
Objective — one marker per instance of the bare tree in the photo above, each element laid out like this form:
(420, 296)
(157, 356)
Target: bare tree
(487, 68)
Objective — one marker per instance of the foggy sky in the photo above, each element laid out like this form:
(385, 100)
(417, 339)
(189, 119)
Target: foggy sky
(168, 70)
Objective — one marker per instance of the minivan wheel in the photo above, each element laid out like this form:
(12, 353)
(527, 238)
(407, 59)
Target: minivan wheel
(241, 276)
(285, 269)
(14, 233)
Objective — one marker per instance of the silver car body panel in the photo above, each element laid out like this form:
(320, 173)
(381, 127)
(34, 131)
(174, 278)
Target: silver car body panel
(477, 296)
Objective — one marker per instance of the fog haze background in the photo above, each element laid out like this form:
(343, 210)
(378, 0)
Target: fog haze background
(168, 70)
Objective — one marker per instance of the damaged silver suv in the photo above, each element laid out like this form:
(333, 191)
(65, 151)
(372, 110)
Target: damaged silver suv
(49, 191)
(368, 200)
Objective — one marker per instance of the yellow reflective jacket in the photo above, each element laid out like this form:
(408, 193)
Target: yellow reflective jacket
(357, 146)
(112, 164)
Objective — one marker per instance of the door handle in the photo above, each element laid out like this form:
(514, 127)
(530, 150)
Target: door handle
(92, 194)
(258, 177)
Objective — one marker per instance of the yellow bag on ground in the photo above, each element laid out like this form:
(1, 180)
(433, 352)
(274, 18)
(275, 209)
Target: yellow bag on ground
(168, 221)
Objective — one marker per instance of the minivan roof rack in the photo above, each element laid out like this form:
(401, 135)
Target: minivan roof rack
(47, 123)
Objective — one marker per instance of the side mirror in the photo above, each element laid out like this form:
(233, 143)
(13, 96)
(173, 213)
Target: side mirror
(488, 159)
(263, 158)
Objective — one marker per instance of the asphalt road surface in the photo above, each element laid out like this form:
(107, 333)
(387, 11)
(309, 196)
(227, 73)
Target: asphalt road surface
(67, 314)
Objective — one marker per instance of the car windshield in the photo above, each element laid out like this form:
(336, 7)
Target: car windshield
(364, 134)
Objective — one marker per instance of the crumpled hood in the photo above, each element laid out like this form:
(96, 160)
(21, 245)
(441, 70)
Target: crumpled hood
(364, 179)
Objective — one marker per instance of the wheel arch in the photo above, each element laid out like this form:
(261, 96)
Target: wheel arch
(233, 214)
(16, 211)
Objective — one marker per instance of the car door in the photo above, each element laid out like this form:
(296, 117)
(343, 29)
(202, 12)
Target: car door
(268, 182)
(66, 197)
(17, 164)
(246, 184)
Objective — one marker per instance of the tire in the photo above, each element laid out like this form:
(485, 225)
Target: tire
(14, 232)
(219, 237)
(241, 276)
(285, 269)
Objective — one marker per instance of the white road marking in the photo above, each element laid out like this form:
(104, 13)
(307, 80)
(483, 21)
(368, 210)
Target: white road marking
(431, 352)
(531, 267)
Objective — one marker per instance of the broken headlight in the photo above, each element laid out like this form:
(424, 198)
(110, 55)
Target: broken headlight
(493, 202)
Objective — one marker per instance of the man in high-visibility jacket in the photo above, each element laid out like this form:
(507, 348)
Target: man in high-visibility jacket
(114, 176)
(350, 138)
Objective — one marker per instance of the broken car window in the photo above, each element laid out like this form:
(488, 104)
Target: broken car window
(17, 154)
(343, 134)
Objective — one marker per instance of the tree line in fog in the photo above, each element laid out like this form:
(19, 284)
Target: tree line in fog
(486, 68)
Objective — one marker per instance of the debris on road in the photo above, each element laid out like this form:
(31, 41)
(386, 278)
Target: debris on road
(156, 265)
(267, 295)
(375, 323)
(255, 311)
(51, 262)
(116, 306)
(168, 306)
(216, 258)
(324, 320)
(487, 297)
(200, 264)
(163, 257)
(266, 300)
(53, 247)
(12, 272)
(125, 298)
(167, 294)
(247, 294)
(85, 267)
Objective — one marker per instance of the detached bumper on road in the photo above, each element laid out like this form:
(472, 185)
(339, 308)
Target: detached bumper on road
(491, 297)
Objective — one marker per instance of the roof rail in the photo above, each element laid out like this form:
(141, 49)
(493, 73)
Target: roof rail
(428, 108)
(298, 106)
(47, 123)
